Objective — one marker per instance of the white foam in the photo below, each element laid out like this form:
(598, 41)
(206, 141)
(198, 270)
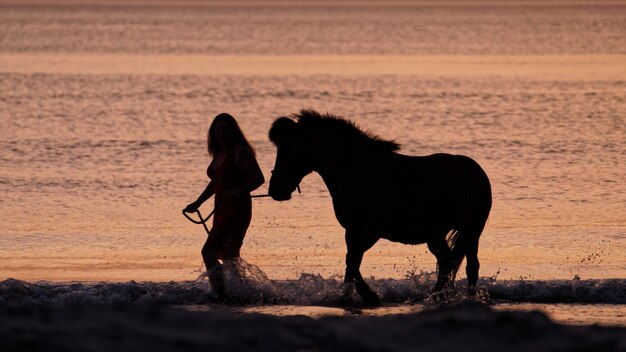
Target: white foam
(247, 284)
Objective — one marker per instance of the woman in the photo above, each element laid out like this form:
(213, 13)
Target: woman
(234, 173)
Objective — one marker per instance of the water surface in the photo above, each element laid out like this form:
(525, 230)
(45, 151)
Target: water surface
(104, 108)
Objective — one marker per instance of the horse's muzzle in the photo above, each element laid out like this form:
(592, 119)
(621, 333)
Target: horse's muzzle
(279, 189)
(279, 196)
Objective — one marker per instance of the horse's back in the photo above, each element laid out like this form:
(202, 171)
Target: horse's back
(433, 193)
(445, 170)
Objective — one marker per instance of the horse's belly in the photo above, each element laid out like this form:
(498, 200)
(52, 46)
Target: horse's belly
(412, 232)
(405, 237)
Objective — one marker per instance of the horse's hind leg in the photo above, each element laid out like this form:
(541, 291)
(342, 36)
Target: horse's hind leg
(439, 248)
(473, 265)
(357, 243)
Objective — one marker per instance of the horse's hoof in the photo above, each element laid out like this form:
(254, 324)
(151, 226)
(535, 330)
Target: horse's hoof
(440, 297)
(436, 297)
(348, 289)
(347, 295)
(370, 299)
(439, 287)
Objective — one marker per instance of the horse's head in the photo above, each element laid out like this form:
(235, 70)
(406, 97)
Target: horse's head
(291, 161)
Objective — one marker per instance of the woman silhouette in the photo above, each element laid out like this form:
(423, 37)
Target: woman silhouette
(234, 173)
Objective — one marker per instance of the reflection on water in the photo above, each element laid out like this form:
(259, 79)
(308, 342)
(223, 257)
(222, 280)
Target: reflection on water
(104, 112)
(571, 314)
(98, 168)
(576, 314)
(541, 67)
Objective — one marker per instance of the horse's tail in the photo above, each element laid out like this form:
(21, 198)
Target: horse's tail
(463, 240)
(463, 244)
(458, 252)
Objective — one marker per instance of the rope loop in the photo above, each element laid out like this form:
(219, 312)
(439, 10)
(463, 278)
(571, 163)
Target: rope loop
(203, 221)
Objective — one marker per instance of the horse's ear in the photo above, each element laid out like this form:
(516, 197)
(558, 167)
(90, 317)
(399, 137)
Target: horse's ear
(283, 130)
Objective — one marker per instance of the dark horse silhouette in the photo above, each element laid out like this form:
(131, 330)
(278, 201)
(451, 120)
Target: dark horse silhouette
(442, 200)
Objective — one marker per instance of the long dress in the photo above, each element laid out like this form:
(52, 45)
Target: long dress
(232, 216)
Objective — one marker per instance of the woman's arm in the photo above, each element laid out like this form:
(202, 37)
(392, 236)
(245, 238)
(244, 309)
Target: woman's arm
(206, 194)
(246, 161)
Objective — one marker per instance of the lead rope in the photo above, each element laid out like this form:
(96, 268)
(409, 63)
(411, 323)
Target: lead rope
(203, 220)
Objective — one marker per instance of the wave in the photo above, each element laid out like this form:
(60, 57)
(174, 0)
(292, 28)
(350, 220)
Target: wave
(246, 284)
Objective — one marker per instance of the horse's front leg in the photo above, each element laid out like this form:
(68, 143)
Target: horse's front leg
(358, 242)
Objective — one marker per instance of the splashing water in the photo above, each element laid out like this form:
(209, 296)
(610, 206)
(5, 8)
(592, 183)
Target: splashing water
(246, 284)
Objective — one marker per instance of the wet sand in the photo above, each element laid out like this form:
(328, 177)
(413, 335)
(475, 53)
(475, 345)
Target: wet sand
(161, 328)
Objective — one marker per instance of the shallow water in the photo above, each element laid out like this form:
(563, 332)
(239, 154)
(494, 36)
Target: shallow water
(98, 168)
(571, 314)
(249, 291)
(576, 314)
(104, 109)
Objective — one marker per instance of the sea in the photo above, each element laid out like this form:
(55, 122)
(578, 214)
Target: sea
(105, 106)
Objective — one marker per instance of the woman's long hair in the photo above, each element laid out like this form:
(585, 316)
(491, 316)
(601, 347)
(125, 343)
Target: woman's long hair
(238, 138)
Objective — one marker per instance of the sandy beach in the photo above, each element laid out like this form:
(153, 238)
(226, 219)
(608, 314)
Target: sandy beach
(161, 328)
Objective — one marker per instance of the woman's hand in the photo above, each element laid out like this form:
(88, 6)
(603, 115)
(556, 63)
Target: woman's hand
(191, 208)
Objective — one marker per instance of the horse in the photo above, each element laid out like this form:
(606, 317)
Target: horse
(442, 200)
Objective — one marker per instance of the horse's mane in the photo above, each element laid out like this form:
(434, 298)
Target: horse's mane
(350, 133)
